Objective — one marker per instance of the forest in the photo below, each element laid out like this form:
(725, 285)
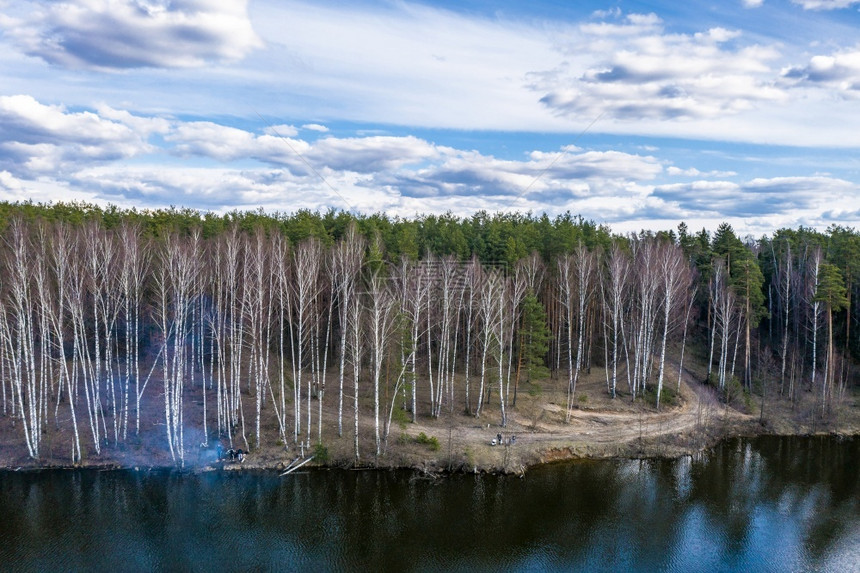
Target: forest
(286, 328)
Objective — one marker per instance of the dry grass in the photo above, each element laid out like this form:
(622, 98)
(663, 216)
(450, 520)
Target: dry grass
(599, 426)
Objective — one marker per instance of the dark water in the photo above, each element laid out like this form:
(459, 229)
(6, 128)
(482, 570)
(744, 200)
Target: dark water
(771, 504)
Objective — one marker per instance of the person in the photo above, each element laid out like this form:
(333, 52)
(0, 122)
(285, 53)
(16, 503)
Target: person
(499, 437)
(219, 451)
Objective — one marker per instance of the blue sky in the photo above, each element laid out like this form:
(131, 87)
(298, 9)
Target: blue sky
(634, 114)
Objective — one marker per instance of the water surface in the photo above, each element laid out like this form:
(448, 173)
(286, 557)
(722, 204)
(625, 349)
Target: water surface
(765, 504)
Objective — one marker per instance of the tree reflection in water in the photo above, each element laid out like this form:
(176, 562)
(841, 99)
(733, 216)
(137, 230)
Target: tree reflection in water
(757, 504)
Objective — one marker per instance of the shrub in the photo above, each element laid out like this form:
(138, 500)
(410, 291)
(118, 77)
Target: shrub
(431, 442)
(668, 396)
(320, 453)
(401, 417)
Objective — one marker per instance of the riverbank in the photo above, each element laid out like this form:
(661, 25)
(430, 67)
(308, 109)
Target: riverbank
(539, 430)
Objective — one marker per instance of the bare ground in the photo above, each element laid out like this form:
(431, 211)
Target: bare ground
(598, 427)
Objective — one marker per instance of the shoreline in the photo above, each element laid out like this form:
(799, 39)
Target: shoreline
(596, 429)
(650, 448)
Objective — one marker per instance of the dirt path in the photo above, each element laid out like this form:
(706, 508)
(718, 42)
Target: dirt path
(590, 433)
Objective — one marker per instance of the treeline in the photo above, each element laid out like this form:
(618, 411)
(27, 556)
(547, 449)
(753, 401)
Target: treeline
(269, 318)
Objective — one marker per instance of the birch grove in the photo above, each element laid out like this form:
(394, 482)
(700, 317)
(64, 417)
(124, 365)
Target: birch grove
(233, 335)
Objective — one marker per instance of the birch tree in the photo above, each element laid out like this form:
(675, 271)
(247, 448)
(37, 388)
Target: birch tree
(675, 282)
(813, 267)
(60, 248)
(647, 305)
(258, 289)
(381, 314)
(175, 278)
(489, 314)
(306, 268)
(415, 291)
(615, 294)
(135, 262)
(725, 317)
(282, 299)
(20, 335)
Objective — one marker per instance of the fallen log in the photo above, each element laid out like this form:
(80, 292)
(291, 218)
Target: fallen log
(294, 468)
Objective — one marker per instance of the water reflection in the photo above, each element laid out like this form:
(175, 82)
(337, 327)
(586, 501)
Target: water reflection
(764, 504)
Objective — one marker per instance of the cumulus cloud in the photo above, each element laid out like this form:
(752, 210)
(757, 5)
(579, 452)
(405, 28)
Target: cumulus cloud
(42, 190)
(112, 156)
(209, 139)
(203, 188)
(88, 151)
(840, 70)
(119, 34)
(758, 197)
(370, 154)
(38, 138)
(589, 182)
(359, 155)
(754, 206)
(226, 189)
(649, 74)
(411, 166)
(10, 184)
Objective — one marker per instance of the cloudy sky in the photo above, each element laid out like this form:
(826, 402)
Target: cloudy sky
(634, 114)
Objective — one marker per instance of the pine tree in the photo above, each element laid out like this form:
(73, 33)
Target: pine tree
(535, 338)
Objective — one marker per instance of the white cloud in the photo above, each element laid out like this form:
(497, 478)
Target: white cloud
(369, 154)
(118, 34)
(753, 3)
(840, 70)
(40, 138)
(51, 153)
(315, 127)
(281, 130)
(612, 12)
(359, 155)
(809, 197)
(46, 190)
(826, 4)
(644, 73)
(755, 206)
(403, 63)
(205, 138)
(10, 184)
(693, 172)
(633, 25)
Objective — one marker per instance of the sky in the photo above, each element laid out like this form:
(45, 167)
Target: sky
(637, 115)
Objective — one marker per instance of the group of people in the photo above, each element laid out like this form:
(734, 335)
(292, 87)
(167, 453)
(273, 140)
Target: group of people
(231, 454)
(499, 440)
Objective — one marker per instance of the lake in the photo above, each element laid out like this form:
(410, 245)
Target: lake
(763, 504)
